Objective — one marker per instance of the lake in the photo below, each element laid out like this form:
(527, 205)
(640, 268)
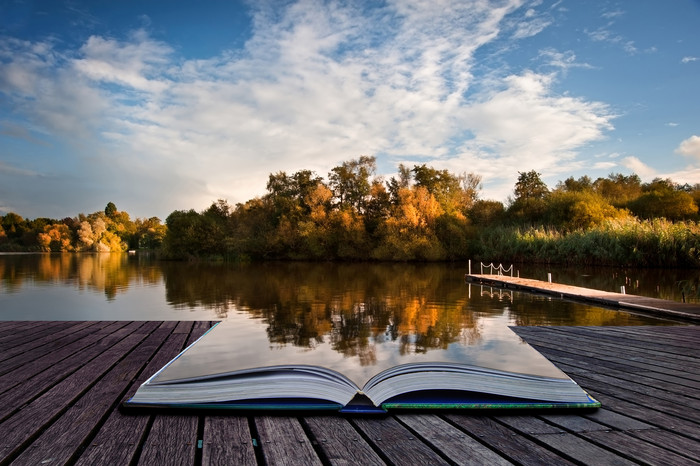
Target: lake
(299, 295)
(357, 310)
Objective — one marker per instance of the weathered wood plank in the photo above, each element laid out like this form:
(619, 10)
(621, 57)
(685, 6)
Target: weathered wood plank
(170, 441)
(39, 346)
(62, 439)
(119, 439)
(284, 442)
(671, 441)
(529, 424)
(396, 443)
(20, 395)
(68, 411)
(18, 430)
(15, 328)
(613, 358)
(637, 449)
(628, 340)
(456, 445)
(645, 413)
(517, 448)
(37, 330)
(340, 443)
(31, 367)
(617, 421)
(227, 440)
(591, 347)
(574, 423)
(678, 405)
(579, 450)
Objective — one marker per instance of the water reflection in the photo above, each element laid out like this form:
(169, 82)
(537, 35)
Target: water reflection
(351, 308)
(108, 273)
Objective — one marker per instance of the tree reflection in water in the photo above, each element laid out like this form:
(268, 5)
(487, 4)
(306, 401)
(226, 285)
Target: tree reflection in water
(353, 307)
(350, 306)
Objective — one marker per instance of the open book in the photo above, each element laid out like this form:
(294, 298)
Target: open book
(222, 370)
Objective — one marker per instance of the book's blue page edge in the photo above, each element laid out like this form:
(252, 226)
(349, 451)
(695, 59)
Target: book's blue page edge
(436, 400)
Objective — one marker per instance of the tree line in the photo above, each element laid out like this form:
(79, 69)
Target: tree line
(110, 230)
(426, 214)
(421, 214)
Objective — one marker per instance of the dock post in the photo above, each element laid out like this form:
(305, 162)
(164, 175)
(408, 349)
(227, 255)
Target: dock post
(549, 277)
(622, 289)
(470, 266)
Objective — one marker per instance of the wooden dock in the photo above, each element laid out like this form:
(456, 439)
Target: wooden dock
(61, 384)
(641, 304)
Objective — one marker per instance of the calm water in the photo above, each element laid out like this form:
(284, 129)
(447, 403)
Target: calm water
(358, 310)
(299, 300)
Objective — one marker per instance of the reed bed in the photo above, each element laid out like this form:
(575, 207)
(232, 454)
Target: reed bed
(619, 242)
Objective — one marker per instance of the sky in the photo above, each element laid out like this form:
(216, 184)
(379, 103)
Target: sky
(161, 106)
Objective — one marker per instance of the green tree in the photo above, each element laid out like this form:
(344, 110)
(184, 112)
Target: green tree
(530, 197)
(149, 234)
(351, 184)
(663, 199)
(487, 212)
(572, 185)
(580, 209)
(396, 184)
(110, 210)
(14, 225)
(618, 189)
(530, 186)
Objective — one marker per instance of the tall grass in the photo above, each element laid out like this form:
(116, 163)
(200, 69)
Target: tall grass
(620, 242)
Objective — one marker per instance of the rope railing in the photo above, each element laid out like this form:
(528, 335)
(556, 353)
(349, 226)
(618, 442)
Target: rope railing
(500, 269)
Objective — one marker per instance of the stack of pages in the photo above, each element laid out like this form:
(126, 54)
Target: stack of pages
(230, 368)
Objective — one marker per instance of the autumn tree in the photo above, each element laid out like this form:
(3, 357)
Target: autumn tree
(149, 233)
(409, 233)
(55, 238)
(662, 199)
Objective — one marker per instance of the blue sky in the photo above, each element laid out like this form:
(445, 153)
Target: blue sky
(160, 106)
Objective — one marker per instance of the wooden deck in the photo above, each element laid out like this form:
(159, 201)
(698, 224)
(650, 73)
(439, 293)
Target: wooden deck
(61, 384)
(642, 304)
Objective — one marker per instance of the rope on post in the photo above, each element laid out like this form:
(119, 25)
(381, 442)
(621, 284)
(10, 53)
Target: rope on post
(500, 269)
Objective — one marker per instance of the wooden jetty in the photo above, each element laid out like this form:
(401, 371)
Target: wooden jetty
(641, 304)
(61, 385)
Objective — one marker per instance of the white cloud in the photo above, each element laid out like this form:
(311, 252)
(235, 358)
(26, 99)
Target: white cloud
(690, 147)
(561, 60)
(638, 167)
(130, 64)
(689, 59)
(316, 84)
(612, 14)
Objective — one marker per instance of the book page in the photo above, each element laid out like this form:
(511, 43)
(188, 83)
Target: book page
(241, 343)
